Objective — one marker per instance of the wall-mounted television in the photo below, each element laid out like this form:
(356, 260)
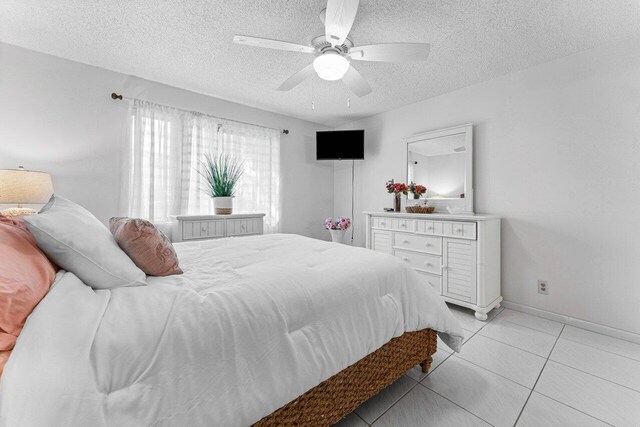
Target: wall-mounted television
(340, 145)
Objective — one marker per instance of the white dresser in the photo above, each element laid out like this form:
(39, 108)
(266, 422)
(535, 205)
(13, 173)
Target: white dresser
(458, 255)
(200, 227)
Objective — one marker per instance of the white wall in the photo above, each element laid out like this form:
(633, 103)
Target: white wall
(57, 116)
(557, 155)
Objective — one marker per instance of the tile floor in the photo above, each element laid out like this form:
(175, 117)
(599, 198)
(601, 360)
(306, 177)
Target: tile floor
(515, 370)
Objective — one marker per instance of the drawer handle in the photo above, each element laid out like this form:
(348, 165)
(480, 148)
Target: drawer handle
(403, 225)
(427, 244)
(459, 230)
(383, 223)
(405, 259)
(430, 228)
(406, 242)
(243, 226)
(428, 264)
(204, 228)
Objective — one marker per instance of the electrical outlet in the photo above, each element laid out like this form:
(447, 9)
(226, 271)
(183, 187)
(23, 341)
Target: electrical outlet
(543, 287)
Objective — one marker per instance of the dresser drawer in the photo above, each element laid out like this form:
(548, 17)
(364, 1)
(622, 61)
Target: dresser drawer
(378, 222)
(242, 227)
(423, 262)
(202, 229)
(429, 227)
(416, 242)
(393, 223)
(463, 230)
(404, 224)
(434, 281)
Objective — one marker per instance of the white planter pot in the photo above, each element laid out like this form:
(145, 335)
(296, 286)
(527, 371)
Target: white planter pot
(337, 236)
(223, 205)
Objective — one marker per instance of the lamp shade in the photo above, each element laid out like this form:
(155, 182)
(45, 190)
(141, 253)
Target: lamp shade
(18, 186)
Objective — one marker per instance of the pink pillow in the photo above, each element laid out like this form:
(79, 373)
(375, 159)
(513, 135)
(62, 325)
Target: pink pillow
(26, 275)
(147, 246)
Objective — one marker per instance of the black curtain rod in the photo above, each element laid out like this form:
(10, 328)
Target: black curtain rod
(115, 96)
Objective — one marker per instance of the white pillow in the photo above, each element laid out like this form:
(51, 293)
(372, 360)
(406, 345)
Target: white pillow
(78, 242)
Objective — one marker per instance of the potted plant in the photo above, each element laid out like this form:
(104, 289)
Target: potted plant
(337, 228)
(221, 176)
(417, 190)
(397, 189)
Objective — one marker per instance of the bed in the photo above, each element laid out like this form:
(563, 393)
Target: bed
(268, 330)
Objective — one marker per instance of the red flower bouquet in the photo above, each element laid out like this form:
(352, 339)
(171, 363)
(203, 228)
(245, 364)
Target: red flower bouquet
(396, 187)
(417, 189)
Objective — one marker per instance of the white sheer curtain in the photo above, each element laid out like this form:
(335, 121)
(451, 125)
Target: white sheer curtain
(153, 164)
(259, 186)
(200, 135)
(166, 147)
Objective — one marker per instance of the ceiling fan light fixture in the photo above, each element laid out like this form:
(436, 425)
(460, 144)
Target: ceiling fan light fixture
(331, 66)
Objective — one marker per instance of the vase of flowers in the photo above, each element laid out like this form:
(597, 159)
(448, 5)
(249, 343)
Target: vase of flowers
(397, 189)
(337, 228)
(221, 176)
(417, 190)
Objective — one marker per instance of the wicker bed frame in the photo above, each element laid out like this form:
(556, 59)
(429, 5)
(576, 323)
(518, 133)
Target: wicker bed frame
(335, 398)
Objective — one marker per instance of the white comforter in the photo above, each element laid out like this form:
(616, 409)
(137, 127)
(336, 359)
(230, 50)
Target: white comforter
(253, 323)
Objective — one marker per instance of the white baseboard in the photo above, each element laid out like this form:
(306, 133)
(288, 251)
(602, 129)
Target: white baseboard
(578, 323)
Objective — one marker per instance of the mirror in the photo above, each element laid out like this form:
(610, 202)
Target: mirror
(442, 161)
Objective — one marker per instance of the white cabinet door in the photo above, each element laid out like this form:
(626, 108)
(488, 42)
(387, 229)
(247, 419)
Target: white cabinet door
(243, 227)
(459, 272)
(215, 229)
(382, 241)
(202, 229)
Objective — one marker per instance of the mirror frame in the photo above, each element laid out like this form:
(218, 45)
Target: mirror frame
(467, 130)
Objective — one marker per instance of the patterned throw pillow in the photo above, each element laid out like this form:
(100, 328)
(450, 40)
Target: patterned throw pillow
(147, 246)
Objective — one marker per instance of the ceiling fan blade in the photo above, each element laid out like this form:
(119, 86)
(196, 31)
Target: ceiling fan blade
(272, 44)
(338, 20)
(297, 78)
(356, 83)
(391, 52)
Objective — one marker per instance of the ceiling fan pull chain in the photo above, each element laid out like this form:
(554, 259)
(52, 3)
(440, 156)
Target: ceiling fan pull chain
(313, 96)
(348, 102)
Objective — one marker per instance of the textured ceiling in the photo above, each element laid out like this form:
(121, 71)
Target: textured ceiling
(188, 44)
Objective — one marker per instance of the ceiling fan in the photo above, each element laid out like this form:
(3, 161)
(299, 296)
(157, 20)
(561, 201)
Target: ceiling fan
(334, 51)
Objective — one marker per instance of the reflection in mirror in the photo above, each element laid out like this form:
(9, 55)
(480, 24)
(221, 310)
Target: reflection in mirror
(442, 161)
(440, 165)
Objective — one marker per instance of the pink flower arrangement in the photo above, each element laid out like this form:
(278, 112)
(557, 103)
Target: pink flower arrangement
(342, 223)
(396, 187)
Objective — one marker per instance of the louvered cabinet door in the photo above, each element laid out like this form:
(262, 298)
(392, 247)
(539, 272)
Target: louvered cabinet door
(381, 241)
(459, 269)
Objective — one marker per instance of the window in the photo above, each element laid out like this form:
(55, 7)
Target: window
(166, 147)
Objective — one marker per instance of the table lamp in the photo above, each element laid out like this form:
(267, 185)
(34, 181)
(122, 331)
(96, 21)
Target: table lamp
(21, 186)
